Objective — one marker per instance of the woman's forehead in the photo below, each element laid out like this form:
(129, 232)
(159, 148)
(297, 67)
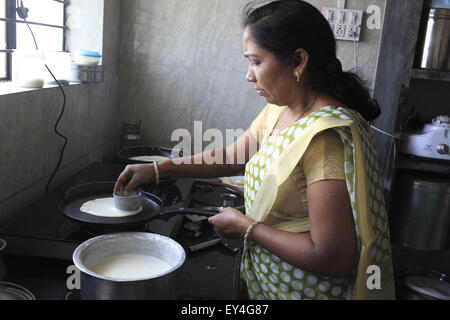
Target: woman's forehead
(246, 37)
(251, 47)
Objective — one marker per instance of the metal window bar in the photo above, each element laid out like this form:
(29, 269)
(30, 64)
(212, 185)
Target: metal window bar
(31, 22)
(10, 38)
(11, 21)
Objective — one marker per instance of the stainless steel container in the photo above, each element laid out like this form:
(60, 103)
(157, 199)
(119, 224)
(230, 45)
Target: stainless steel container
(131, 134)
(131, 140)
(228, 199)
(420, 215)
(127, 201)
(98, 287)
(87, 73)
(436, 46)
(2, 261)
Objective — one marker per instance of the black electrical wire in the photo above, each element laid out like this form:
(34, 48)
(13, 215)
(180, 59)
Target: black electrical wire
(23, 12)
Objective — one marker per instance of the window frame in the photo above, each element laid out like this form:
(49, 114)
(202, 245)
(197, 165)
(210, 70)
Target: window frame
(11, 34)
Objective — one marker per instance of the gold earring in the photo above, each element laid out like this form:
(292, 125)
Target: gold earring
(297, 74)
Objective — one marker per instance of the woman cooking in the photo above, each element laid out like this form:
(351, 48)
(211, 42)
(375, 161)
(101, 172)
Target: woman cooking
(315, 225)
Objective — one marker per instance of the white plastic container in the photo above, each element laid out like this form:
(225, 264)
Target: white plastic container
(28, 68)
(86, 57)
(59, 63)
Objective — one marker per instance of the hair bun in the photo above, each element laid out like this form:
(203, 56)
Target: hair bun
(334, 67)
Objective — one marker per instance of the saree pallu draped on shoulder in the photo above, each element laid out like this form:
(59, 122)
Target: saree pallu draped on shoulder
(269, 277)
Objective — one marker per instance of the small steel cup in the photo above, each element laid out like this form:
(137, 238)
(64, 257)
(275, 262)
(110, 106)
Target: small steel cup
(127, 201)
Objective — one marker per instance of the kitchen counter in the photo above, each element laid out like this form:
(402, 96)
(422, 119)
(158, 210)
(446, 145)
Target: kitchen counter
(44, 277)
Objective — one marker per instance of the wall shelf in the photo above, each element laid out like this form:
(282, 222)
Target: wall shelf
(422, 164)
(430, 74)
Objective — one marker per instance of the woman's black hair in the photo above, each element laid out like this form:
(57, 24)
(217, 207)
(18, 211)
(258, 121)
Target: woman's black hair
(284, 26)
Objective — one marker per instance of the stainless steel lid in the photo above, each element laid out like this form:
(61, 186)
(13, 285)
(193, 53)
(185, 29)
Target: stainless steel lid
(11, 291)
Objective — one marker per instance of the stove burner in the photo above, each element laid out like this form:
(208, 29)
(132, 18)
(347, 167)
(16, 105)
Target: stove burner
(194, 226)
(205, 195)
(197, 234)
(167, 192)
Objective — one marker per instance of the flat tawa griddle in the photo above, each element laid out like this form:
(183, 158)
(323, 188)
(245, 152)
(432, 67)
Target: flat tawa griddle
(128, 153)
(71, 204)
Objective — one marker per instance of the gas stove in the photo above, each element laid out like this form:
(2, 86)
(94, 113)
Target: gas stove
(212, 264)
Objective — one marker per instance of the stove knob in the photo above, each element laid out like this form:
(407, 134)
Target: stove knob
(442, 149)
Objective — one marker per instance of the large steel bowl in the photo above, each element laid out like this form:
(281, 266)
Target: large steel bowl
(98, 287)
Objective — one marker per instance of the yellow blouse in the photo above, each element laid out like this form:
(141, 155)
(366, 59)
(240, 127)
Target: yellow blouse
(323, 160)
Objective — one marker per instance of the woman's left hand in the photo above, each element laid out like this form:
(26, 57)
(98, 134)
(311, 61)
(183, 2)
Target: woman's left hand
(230, 223)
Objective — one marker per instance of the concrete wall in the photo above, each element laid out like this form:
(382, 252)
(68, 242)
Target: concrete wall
(182, 61)
(84, 20)
(29, 149)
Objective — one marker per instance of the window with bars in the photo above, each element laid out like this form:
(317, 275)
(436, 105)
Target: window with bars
(45, 17)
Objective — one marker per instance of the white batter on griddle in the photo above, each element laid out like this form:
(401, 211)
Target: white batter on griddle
(129, 266)
(150, 158)
(104, 207)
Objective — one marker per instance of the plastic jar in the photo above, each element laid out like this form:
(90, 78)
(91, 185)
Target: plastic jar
(28, 68)
(59, 63)
(86, 57)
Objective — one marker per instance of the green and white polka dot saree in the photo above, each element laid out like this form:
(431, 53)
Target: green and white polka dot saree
(269, 277)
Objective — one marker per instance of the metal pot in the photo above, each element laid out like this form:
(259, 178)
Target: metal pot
(420, 215)
(2, 262)
(98, 287)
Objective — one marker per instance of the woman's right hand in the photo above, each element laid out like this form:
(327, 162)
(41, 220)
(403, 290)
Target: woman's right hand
(133, 176)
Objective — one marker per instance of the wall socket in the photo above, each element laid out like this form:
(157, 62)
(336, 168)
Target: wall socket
(353, 31)
(339, 30)
(346, 23)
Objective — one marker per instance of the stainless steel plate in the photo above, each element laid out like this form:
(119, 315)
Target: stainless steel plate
(11, 291)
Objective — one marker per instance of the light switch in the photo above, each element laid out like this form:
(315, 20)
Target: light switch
(330, 16)
(353, 18)
(341, 16)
